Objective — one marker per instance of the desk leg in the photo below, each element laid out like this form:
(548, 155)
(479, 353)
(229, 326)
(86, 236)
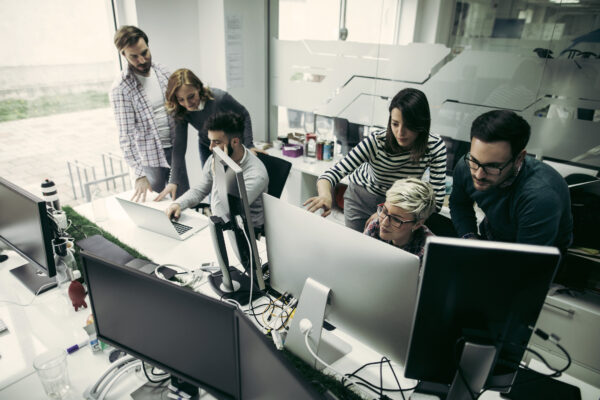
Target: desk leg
(299, 187)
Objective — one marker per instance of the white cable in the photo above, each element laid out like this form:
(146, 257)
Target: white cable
(33, 298)
(94, 391)
(312, 353)
(125, 369)
(161, 276)
(234, 302)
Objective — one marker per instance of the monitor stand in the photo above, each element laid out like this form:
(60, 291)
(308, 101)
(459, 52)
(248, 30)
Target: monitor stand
(34, 279)
(240, 283)
(311, 305)
(475, 363)
(160, 391)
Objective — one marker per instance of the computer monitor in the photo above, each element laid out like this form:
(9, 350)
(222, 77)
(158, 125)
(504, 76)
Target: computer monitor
(264, 372)
(185, 333)
(585, 207)
(346, 133)
(26, 228)
(231, 190)
(372, 284)
(455, 149)
(477, 299)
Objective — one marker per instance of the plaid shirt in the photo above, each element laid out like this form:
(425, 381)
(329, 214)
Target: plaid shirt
(416, 245)
(138, 133)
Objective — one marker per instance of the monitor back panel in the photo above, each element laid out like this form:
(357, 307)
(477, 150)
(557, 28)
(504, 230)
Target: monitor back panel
(186, 333)
(480, 291)
(373, 284)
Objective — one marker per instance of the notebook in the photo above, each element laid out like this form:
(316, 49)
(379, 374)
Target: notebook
(157, 221)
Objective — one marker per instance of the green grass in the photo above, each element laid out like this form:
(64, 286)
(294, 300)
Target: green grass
(81, 227)
(12, 109)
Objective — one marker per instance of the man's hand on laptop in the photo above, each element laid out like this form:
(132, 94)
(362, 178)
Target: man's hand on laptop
(142, 184)
(173, 211)
(171, 189)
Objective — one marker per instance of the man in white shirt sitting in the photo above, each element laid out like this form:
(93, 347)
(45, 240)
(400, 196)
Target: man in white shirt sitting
(225, 130)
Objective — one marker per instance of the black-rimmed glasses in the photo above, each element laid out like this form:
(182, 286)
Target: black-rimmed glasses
(489, 169)
(395, 220)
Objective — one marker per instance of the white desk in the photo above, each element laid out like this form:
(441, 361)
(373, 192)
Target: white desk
(51, 321)
(302, 180)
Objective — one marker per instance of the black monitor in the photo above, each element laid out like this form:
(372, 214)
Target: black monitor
(26, 227)
(455, 149)
(185, 333)
(346, 133)
(264, 372)
(231, 190)
(478, 299)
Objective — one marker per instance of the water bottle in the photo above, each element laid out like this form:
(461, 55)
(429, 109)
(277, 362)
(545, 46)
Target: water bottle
(50, 194)
(64, 261)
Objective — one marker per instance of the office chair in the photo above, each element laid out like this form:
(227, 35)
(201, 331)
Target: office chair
(278, 170)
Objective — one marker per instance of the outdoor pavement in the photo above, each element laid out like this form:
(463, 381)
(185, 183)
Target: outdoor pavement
(34, 149)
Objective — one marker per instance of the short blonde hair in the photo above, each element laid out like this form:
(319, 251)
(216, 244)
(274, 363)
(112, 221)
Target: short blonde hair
(413, 196)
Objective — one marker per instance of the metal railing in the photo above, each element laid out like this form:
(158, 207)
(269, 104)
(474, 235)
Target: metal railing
(83, 176)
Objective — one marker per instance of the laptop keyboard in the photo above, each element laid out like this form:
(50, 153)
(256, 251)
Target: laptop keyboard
(181, 228)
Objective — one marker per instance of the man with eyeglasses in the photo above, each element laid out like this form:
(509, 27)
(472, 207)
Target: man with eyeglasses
(524, 200)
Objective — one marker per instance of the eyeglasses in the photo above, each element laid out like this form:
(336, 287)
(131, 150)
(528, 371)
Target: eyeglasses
(395, 220)
(488, 169)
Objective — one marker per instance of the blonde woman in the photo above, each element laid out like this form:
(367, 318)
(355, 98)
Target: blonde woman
(400, 219)
(189, 101)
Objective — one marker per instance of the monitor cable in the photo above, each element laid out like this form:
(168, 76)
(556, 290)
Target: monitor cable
(306, 328)
(160, 381)
(100, 389)
(379, 389)
(35, 296)
(555, 374)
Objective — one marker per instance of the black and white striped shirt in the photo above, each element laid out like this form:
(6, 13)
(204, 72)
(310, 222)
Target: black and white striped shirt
(376, 170)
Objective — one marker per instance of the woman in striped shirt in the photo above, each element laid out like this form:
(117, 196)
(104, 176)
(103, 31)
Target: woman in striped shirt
(405, 149)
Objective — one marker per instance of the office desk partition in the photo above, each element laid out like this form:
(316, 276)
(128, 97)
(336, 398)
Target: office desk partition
(50, 321)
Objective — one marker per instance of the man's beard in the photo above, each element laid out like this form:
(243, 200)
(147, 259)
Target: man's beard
(142, 68)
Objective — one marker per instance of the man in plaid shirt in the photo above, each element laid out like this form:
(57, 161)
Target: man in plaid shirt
(146, 131)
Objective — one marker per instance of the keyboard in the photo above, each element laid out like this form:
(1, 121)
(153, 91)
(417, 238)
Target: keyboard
(181, 228)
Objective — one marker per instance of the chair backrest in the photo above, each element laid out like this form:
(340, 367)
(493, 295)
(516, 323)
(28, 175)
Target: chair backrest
(278, 170)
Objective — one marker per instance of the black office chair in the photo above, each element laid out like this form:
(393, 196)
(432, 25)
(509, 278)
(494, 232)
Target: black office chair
(278, 170)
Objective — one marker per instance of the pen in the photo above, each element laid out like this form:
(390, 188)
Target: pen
(75, 347)
(176, 393)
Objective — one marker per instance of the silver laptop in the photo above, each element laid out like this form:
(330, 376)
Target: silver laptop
(157, 221)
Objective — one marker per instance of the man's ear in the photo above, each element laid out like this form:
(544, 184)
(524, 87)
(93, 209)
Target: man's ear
(520, 157)
(236, 141)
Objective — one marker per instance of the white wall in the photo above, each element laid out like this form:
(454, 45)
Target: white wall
(253, 93)
(172, 29)
(211, 43)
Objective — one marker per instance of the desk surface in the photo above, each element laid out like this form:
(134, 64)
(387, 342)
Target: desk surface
(50, 320)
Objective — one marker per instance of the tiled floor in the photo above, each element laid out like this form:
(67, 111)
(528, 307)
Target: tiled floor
(38, 148)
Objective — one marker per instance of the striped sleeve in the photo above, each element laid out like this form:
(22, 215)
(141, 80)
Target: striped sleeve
(363, 152)
(437, 170)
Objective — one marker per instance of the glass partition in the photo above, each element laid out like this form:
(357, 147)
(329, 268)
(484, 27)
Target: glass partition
(536, 57)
